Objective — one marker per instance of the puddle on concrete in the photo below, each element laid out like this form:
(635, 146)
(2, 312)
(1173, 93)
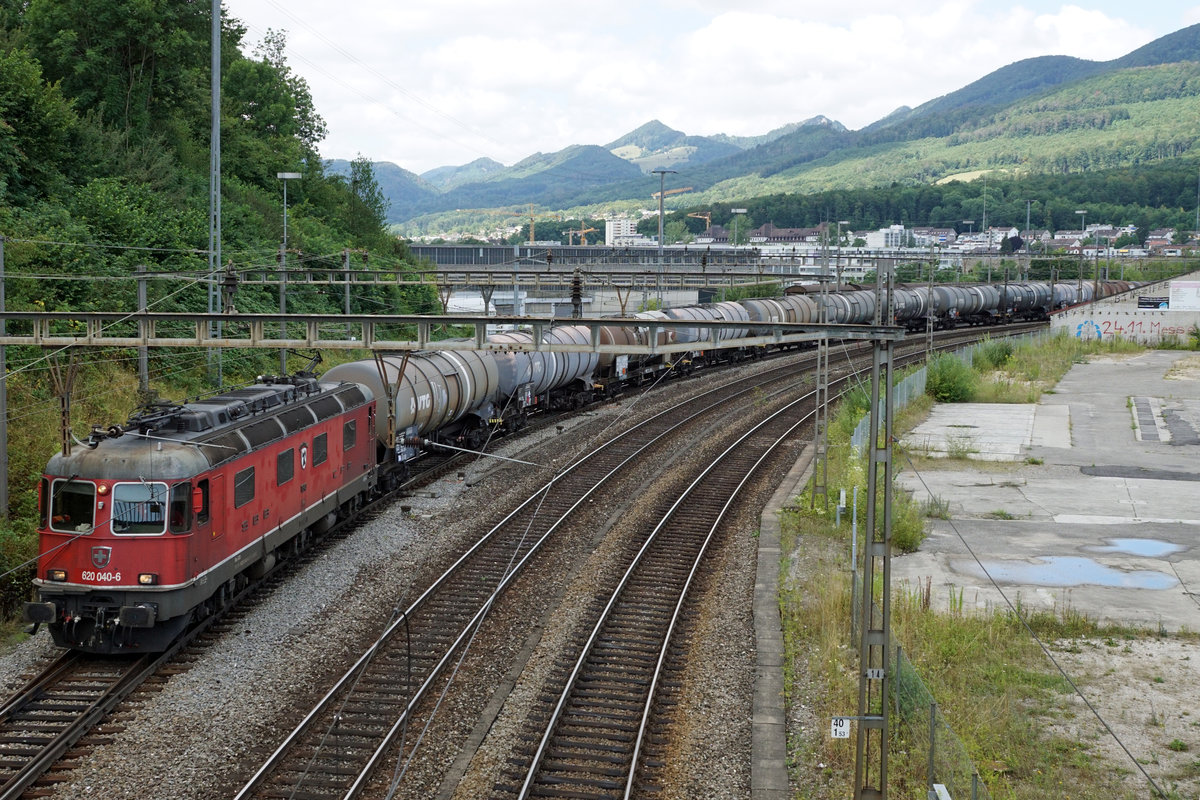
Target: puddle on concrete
(1150, 548)
(1076, 571)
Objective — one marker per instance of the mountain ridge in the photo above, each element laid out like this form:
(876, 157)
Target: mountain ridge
(739, 166)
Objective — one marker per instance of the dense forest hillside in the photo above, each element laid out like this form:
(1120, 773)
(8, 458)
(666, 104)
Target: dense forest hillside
(104, 164)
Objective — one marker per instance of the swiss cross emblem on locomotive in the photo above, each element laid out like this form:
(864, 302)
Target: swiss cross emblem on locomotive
(101, 556)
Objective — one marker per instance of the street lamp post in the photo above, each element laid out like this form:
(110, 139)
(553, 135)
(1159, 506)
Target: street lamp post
(735, 212)
(1082, 233)
(662, 177)
(285, 177)
(838, 256)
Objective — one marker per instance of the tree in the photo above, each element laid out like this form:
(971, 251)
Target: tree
(739, 229)
(367, 207)
(677, 231)
(136, 63)
(37, 127)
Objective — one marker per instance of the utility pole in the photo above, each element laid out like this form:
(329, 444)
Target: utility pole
(871, 748)
(1028, 234)
(283, 354)
(143, 351)
(662, 176)
(3, 396)
(1082, 212)
(820, 484)
(214, 189)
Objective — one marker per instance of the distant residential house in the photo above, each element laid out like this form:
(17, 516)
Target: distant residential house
(924, 237)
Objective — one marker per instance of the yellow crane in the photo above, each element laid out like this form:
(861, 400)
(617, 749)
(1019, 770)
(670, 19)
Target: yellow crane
(500, 213)
(582, 234)
(672, 191)
(704, 215)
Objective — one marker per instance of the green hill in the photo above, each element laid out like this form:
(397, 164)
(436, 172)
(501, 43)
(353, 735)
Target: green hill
(1052, 114)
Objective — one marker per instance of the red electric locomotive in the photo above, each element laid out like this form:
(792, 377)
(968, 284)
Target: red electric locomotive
(158, 522)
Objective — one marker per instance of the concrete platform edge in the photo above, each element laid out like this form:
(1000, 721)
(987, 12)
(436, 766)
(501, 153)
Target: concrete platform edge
(768, 772)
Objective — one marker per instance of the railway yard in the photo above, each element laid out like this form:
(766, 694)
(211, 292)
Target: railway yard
(216, 720)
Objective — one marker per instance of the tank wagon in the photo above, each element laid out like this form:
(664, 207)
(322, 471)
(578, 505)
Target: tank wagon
(158, 522)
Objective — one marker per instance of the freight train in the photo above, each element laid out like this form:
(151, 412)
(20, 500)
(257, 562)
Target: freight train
(153, 524)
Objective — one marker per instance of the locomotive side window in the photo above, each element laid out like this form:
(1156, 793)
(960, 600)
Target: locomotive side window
(285, 467)
(320, 449)
(181, 508)
(139, 508)
(349, 434)
(200, 502)
(44, 503)
(72, 506)
(243, 487)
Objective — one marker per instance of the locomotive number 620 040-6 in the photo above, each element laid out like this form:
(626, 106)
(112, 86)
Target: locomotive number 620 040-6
(103, 577)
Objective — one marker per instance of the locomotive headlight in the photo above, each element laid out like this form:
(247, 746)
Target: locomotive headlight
(101, 488)
(59, 575)
(148, 578)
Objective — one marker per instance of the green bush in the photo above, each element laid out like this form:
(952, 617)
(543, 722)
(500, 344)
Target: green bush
(993, 354)
(950, 380)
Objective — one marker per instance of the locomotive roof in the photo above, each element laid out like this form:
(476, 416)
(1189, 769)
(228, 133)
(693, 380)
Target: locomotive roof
(183, 439)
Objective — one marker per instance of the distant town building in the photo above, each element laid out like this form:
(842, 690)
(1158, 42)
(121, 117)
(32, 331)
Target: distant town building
(617, 229)
(889, 238)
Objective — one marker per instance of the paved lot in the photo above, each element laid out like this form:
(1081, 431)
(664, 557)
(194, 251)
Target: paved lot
(1089, 499)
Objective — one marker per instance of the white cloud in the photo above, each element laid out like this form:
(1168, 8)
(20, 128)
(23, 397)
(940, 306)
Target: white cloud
(446, 83)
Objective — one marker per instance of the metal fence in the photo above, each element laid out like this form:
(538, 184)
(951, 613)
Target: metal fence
(913, 386)
(918, 722)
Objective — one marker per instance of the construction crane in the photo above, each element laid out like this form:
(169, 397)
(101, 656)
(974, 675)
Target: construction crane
(582, 234)
(704, 215)
(500, 213)
(672, 191)
(533, 217)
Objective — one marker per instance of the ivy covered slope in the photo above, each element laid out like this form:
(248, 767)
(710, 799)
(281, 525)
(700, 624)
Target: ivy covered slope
(104, 160)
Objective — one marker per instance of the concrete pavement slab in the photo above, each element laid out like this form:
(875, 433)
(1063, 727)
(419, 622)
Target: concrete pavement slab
(1097, 508)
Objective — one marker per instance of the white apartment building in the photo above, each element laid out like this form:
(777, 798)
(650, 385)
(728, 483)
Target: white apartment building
(619, 229)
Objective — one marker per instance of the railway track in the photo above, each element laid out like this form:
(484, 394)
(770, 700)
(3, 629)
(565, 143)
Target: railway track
(335, 749)
(47, 716)
(338, 745)
(28, 748)
(588, 739)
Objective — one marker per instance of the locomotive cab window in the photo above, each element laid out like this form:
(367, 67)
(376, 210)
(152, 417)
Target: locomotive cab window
(181, 508)
(139, 508)
(320, 449)
(349, 434)
(72, 506)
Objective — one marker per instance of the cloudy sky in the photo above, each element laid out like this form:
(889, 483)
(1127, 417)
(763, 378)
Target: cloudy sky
(443, 83)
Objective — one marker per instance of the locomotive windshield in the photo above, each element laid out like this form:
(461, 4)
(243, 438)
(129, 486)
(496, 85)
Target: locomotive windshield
(72, 505)
(139, 508)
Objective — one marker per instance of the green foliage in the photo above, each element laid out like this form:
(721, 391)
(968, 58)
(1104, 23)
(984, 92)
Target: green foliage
(993, 354)
(949, 380)
(104, 159)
